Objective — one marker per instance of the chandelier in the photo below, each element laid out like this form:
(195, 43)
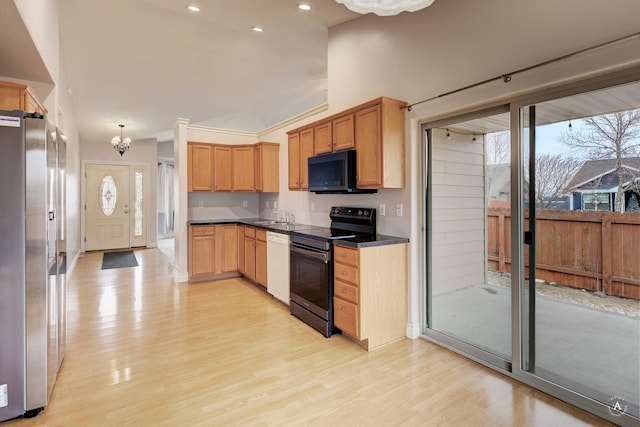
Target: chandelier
(385, 7)
(121, 144)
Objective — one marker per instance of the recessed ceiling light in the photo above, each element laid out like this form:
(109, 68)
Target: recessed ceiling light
(304, 6)
(193, 8)
(257, 29)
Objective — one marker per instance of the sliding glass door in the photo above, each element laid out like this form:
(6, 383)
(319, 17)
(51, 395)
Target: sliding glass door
(581, 270)
(532, 218)
(469, 215)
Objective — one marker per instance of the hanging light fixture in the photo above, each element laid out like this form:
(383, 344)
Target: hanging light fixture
(385, 7)
(121, 144)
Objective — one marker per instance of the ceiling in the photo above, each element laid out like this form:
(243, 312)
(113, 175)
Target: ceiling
(145, 63)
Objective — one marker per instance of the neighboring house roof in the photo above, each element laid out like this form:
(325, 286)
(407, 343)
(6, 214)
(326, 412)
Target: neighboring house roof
(600, 174)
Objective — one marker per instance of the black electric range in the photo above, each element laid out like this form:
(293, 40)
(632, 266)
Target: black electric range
(311, 264)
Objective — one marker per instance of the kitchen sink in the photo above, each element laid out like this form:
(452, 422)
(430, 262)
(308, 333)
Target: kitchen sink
(266, 222)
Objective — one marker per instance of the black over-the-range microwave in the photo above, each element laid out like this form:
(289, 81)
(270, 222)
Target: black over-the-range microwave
(335, 173)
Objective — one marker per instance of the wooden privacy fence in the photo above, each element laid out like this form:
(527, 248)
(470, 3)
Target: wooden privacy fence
(596, 251)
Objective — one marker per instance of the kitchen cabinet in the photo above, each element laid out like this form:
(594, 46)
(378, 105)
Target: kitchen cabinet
(243, 168)
(200, 167)
(16, 96)
(201, 251)
(226, 248)
(221, 168)
(267, 167)
(379, 142)
(375, 129)
(300, 149)
(250, 253)
(370, 293)
(213, 250)
(240, 246)
(261, 257)
(334, 135)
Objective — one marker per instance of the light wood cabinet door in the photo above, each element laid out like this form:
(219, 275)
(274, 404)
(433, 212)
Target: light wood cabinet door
(221, 168)
(306, 151)
(267, 167)
(322, 138)
(229, 248)
(243, 179)
(250, 253)
(202, 251)
(261, 262)
(346, 317)
(294, 161)
(343, 133)
(240, 246)
(368, 147)
(201, 167)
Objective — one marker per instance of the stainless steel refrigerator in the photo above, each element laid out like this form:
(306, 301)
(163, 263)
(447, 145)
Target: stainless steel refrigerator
(32, 263)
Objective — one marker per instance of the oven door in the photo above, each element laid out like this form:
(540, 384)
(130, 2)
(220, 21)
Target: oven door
(311, 280)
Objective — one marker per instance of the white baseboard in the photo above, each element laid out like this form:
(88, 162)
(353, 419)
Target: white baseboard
(180, 277)
(413, 330)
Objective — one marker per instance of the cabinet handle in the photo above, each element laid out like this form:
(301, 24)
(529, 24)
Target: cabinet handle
(343, 308)
(344, 273)
(343, 255)
(344, 291)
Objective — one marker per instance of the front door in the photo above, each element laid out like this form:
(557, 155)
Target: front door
(108, 207)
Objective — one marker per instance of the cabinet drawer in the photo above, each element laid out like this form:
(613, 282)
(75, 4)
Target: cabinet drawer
(261, 234)
(201, 230)
(345, 291)
(346, 273)
(249, 232)
(345, 317)
(345, 255)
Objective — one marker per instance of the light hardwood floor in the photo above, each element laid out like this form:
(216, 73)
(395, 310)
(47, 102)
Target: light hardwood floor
(143, 351)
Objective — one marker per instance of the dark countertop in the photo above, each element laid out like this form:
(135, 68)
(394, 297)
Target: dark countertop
(357, 242)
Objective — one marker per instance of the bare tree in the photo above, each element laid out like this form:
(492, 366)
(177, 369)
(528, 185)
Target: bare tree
(553, 173)
(609, 136)
(498, 148)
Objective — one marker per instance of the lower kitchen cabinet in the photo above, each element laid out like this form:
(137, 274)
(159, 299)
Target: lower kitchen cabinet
(212, 250)
(250, 252)
(370, 293)
(201, 251)
(240, 247)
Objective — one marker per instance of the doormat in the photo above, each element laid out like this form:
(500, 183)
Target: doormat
(119, 260)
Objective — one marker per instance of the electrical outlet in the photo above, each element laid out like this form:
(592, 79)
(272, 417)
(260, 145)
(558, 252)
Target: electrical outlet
(201, 204)
(245, 203)
(275, 204)
(267, 204)
(4, 400)
(399, 209)
(381, 209)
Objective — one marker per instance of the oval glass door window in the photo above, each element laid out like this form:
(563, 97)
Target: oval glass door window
(108, 195)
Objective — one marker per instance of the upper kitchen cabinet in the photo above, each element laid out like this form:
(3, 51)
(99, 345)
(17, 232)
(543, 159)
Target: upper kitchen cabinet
(300, 149)
(199, 167)
(267, 167)
(243, 173)
(334, 135)
(379, 137)
(223, 167)
(16, 96)
(375, 129)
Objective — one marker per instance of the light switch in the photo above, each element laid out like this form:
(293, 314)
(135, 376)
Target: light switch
(381, 209)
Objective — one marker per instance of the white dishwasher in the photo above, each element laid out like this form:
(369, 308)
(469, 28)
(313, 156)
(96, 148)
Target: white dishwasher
(278, 266)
